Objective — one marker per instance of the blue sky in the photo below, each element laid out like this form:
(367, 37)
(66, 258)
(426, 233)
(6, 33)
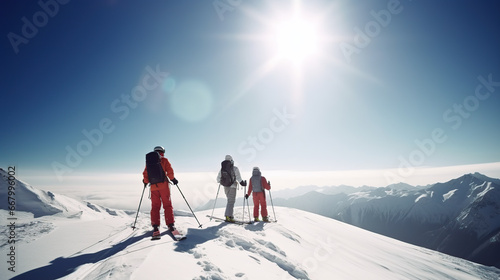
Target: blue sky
(389, 84)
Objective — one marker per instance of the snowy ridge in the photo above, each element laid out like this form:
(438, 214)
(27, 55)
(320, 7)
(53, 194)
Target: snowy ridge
(301, 245)
(35, 210)
(44, 203)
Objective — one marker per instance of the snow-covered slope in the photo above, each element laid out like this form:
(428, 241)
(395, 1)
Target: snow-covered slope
(31, 213)
(27, 198)
(301, 245)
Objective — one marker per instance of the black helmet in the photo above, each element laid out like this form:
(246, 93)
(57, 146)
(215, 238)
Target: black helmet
(159, 149)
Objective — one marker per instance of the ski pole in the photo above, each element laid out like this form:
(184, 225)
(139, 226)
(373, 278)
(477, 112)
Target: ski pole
(188, 205)
(133, 227)
(272, 205)
(248, 207)
(215, 202)
(243, 212)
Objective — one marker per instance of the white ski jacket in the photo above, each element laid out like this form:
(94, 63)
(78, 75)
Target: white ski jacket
(237, 175)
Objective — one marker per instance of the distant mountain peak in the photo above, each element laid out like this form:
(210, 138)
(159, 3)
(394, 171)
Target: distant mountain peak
(401, 186)
(484, 178)
(45, 203)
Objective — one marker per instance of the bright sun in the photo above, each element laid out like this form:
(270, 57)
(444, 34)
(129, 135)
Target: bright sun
(294, 39)
(291, 34)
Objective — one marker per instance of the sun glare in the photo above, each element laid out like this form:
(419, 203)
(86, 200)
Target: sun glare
(291, 34)
(295, 39)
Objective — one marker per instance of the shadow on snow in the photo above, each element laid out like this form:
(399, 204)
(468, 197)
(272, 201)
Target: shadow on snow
(197, 236)
(61, 267)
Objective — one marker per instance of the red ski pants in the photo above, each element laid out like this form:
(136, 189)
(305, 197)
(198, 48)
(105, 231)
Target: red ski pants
(157, 198)
(259, 198)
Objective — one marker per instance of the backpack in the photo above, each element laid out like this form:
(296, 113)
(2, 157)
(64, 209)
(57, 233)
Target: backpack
(227, 176)
(156, 174)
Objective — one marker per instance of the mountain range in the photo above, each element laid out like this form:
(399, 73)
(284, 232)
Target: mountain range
(460, 217)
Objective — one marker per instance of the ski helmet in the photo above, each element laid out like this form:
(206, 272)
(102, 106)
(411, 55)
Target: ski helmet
(159, 149)
(230, 158)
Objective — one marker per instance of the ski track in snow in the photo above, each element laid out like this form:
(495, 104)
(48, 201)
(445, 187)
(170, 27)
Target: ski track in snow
(233, 238)
(250, 238)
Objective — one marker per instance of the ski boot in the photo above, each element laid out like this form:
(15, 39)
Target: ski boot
(156, 233)
(171, 227)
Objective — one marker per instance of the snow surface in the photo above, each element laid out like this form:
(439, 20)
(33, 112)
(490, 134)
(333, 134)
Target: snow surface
(57, 237)
(300, 245)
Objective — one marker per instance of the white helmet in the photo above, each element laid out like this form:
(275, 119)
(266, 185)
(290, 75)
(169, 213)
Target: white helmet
(159, 149)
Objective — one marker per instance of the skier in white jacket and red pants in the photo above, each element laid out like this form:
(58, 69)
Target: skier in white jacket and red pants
(258, 184)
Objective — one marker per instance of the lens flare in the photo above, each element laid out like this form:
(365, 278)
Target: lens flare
(192, 101)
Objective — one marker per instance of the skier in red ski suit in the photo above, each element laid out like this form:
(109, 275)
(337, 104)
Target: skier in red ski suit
(160, 193)
(257, 184)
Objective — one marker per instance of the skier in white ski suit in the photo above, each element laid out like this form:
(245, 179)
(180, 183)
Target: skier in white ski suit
(231, 191)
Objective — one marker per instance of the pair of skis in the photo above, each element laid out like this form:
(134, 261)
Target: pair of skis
(236, 221)
(175, 234)
(233, 222)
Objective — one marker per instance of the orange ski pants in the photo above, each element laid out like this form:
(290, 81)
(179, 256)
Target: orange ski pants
(159, 197)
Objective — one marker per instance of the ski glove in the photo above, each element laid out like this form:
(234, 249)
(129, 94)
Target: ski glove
(243, 183)
(246, 196)
(174, 181)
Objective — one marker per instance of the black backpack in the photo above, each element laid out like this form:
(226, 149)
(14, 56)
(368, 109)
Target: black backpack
(227, 176)
(156, 174)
